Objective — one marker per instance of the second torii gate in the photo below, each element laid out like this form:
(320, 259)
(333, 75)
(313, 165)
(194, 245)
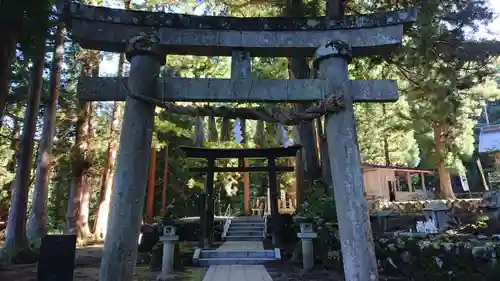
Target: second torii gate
(156, 34)
(211, 155)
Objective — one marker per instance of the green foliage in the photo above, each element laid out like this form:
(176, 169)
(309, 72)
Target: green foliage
(447, 84)
(199, 67)
(430, 259)
(6, 154)
(385, 132)
(194, 274)
(420, 260)
(327, 239)
(59, 192)
(270, 68)
(482, 222)
(6, 173)
(319, 204)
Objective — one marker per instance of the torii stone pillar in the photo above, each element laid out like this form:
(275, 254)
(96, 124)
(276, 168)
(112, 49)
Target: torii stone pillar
(127, 202)
(360, 263)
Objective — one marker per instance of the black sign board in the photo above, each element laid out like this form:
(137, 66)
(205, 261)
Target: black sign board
(57, 258)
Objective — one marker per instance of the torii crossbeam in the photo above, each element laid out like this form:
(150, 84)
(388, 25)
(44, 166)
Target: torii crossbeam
(147, 37)
(110, 29)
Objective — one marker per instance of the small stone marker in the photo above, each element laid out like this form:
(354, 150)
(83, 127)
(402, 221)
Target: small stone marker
(307, 235)
(438, 212)
(491, 205)
(168, 239)
(382, 217)
(57, 258)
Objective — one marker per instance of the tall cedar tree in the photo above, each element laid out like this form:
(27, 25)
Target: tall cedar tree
(445, 75)
(16, 244)
(37, 226)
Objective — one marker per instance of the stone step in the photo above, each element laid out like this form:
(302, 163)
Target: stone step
(207, 257)
(232, 232)
(246, 227)
(247, 224)
(231, 261)
(244, 238)
(236, 254)
(247, 220)
(261, 230)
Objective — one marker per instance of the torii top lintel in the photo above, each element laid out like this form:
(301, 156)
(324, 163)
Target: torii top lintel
(109, 30)
(218, 153)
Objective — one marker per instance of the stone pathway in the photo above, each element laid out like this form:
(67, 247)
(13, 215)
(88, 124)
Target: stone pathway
(241, 245)
(238, 272)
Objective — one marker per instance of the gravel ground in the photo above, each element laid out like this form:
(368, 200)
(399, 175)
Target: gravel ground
(87, 269)
(286, 271)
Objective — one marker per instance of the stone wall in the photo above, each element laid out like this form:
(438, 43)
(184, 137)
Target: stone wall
(438, 259)
(416, 207)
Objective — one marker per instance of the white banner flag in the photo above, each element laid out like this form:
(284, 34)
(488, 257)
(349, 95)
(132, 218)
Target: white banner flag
(465, 183)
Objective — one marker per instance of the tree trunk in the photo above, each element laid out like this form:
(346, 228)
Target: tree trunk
(37, 227)
(164, 187)
(150, 201)
(9, 34)
(82, 221)
(11, 167)
(58, 207)
(212, 129)
(386, 151)
(79, 199)
(199, 132)
(16, 240)
(387, 155)
(225, 131)
(246, 175)
(79, 183)
(445, 189)
(101, 221)
(299, 170)
(307, 156)
(298, 68)
(259, 137)
(325, 160)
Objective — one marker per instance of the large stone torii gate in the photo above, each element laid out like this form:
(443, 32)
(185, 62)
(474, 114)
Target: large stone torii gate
(331, 42)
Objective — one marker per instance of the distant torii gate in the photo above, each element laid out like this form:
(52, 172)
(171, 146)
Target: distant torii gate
(207, 218)
(332, 42)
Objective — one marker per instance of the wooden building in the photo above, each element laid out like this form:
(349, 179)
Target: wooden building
(489, 155)
(394, 183)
